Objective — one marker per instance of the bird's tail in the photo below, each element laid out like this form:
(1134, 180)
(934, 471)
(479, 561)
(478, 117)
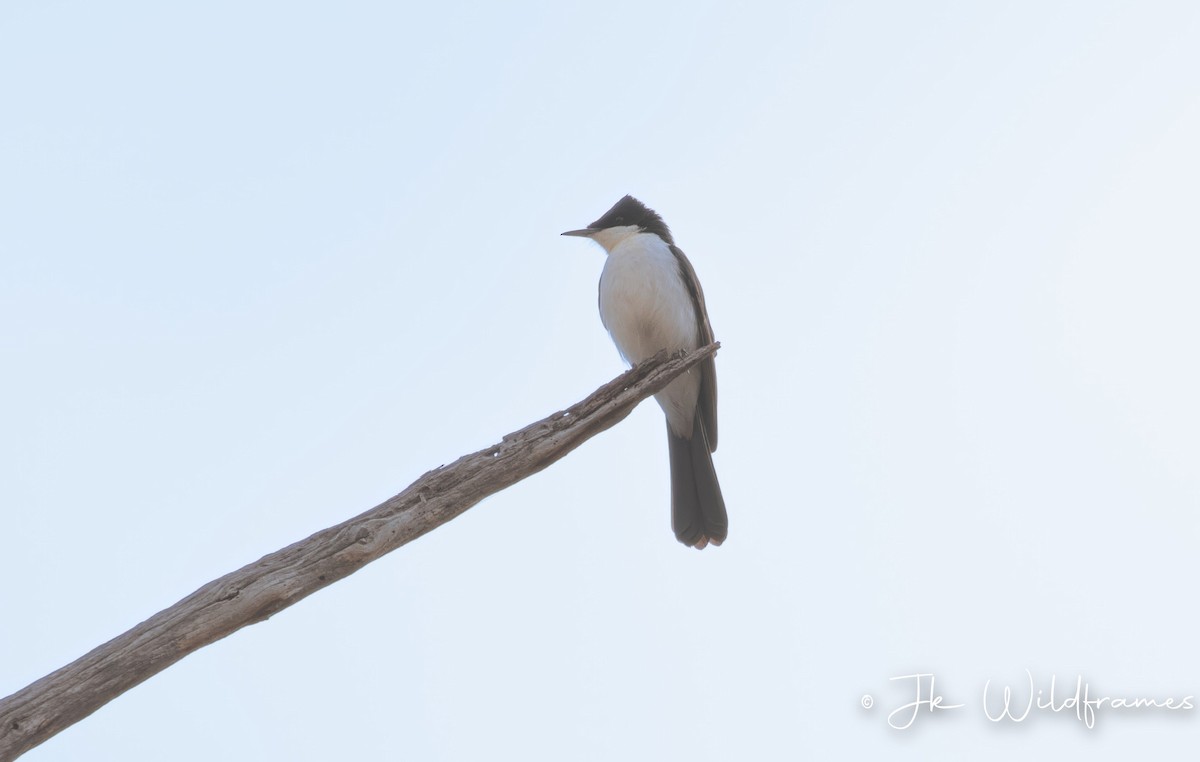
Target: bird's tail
(697, 507)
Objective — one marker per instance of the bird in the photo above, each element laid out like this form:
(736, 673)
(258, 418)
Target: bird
(651, 300)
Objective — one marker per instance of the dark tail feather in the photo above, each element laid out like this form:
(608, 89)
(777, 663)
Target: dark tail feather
(697, 508)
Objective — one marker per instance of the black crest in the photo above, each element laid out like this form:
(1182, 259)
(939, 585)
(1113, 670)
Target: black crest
(630, 211)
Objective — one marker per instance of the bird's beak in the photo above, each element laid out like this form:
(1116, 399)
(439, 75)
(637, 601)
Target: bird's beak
(584, 233)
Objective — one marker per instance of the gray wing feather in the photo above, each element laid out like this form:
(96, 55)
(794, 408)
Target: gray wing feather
(708, 368)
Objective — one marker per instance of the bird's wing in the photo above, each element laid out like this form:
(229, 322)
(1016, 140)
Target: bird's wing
(708, 368)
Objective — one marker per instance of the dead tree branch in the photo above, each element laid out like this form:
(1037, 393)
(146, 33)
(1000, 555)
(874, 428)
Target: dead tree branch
(274, 582)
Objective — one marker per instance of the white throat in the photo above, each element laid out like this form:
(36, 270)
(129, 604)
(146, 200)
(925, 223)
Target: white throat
(610, 237)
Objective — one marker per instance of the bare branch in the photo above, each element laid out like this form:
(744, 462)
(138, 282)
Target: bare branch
(274, 582)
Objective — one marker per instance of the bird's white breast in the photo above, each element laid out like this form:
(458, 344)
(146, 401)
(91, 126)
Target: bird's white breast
(646, 306)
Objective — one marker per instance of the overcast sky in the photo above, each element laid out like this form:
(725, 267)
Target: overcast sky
(264, 264)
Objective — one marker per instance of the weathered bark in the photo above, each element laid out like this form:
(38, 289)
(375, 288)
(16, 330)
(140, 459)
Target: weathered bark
(276, 581)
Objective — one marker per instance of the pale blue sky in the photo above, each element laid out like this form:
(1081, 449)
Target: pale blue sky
(263, 264)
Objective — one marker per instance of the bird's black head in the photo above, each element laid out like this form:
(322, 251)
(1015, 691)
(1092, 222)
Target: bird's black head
(630, 211)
